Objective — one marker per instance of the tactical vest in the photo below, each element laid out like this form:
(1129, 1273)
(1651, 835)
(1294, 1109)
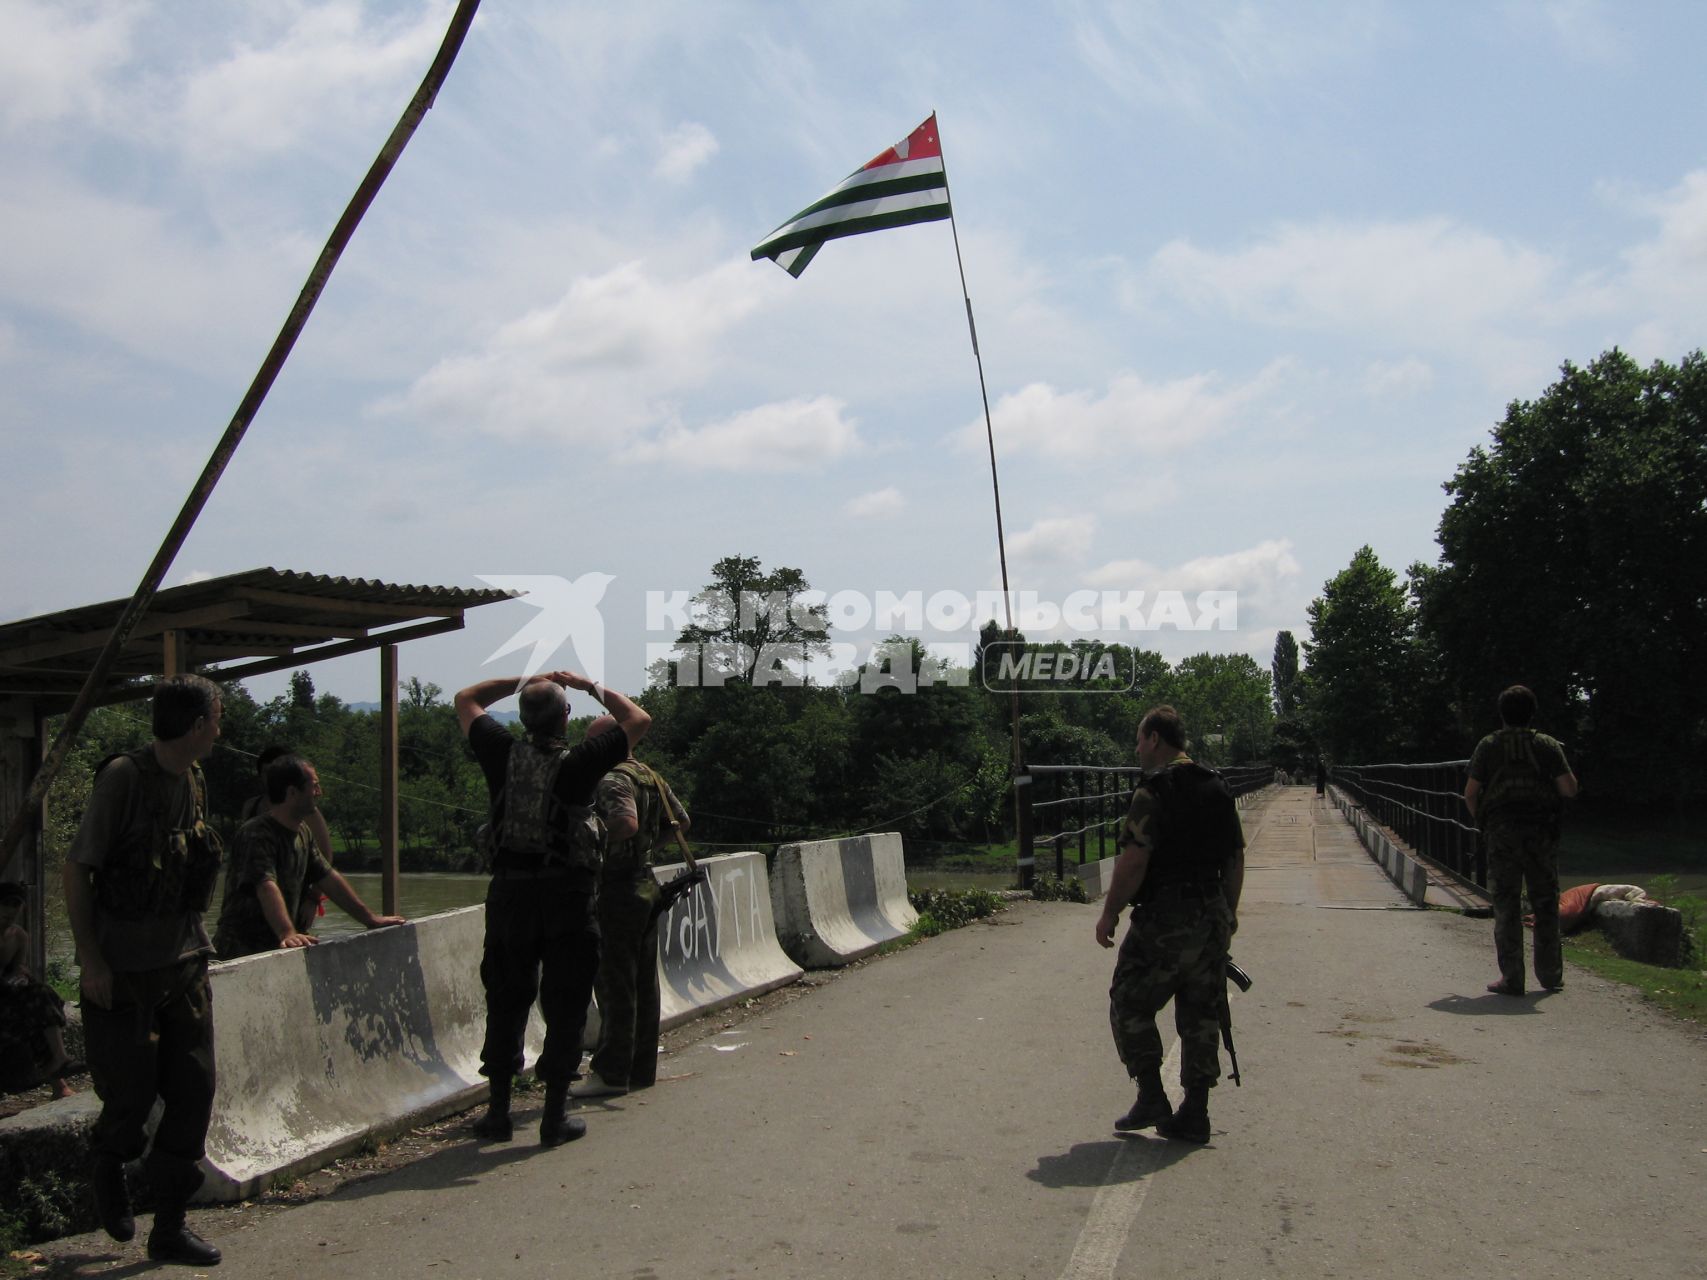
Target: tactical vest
(169, 869)
(1518, 789)
(632, 856)
(538, 826)
(1197, 827)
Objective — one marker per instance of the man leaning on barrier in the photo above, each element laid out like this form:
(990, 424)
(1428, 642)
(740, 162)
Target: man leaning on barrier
(1518, 781)
(1182, 867)
(541, 935)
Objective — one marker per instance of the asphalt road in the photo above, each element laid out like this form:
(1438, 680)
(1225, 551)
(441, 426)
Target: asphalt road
(945, 1112)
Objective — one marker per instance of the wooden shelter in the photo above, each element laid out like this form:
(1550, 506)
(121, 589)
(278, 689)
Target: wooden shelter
(229, 628)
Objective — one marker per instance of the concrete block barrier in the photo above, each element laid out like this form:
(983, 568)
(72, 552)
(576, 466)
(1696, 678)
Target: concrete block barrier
(719, 943)
(1401, 867)
(322, 1047)
(1095, 876)
(1646, 932)
(836, 901)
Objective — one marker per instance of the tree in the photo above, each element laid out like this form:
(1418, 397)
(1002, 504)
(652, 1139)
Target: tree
(1573, 559)
(754, 620)
(1229, 695)
(1361, 662)
(1284, 670)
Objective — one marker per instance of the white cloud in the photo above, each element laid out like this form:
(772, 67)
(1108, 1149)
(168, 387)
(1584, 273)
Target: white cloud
(1665, 278)
(196, 575)
(333, 62)
(1586, 30)
(1057, 540)
(869, 506)
(1134, 416)
(683, 150)
(56, 62)
(599, 364)
(1403, 378)
(1259, 574)
(794, 435)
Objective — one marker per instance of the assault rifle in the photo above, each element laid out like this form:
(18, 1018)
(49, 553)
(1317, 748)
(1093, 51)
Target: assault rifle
(1242, 980)
(677, 887)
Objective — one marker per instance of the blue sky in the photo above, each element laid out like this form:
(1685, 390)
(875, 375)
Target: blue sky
(1250, 282)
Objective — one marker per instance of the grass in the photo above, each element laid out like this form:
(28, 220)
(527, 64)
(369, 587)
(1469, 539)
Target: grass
(1680, 992)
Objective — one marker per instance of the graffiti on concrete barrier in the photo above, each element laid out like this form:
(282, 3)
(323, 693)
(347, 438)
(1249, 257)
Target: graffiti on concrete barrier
(695, 927)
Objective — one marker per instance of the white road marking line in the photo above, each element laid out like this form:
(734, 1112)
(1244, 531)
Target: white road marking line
(1118, 1201)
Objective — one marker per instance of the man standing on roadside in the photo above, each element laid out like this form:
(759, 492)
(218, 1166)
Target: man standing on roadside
(277, 868)
(541, 935)
(639, 811)
(137, 879)
(1182, 866)
(1518, 782)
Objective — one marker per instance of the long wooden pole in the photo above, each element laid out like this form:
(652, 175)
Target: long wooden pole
(246, 410)
(1027, 859)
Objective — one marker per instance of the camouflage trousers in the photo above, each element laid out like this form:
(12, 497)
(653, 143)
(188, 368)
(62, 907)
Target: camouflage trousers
(1175, 948)
(1519, 858)
(627, 985)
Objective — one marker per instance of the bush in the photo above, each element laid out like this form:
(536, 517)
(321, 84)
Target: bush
(943, 909)
(1059, 889)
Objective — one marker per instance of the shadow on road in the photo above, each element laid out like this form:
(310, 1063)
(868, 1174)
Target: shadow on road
(1096, 1164)
(1485, 1005)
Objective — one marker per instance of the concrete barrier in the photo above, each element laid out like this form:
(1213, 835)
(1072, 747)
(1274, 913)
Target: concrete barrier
(1401, 867)
(1094, 876)
(1646, 932)
(719, 943)
(322, 1047)
(836, 901)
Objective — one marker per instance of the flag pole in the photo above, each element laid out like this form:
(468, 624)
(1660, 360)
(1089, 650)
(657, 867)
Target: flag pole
(293, 326)
(1022, 779)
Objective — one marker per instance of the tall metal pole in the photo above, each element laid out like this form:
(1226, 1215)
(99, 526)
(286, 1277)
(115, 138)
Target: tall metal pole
(1027, 860)
(246, 410)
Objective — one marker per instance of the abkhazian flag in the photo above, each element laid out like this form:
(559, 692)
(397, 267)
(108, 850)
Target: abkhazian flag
(904, 185)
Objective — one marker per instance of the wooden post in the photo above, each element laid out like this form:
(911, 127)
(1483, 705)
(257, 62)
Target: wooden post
(20, 754)
(388, 778)
(171, 653)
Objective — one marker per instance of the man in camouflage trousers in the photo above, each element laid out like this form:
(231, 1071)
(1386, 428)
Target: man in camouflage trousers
(1182, 866)
(631, 801)
(1518, 780)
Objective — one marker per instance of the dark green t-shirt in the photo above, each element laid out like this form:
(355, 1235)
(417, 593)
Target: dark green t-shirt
(264, 849)
(1517, 769)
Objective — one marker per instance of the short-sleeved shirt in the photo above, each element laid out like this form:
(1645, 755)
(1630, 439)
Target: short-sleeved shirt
(118, 817)
(265, 850)
(583, 766)
(616, 797)
(1492, 752)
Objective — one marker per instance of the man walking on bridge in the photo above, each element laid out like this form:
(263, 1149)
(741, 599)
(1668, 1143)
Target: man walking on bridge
(541, 936)
(1182, 866)
(1518, 781)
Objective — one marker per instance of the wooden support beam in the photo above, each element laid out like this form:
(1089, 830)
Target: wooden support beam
(152, 625)
(388, 779)
(172, 655)
(302, 657)
(307, 604)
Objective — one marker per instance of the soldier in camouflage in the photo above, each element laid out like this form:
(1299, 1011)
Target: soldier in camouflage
(1182, 866)
(1518, 781)
(631, 801)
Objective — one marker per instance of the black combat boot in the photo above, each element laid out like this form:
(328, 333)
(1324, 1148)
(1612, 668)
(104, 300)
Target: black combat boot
(112, 1197)
(495, 1125)
(555, 1127)
(169, 1240)
(1191, 1122)
(1152, 1105)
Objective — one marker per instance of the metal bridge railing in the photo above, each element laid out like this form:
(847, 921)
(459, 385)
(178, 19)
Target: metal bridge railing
(1076, 802)
(1422, 804)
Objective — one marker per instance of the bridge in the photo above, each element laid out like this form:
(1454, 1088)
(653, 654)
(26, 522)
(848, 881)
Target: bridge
(945, 1111)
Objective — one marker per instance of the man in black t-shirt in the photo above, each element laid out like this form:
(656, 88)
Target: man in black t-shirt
(541, 934)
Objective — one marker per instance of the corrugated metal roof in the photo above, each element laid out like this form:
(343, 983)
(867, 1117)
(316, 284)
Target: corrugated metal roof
(241, 624)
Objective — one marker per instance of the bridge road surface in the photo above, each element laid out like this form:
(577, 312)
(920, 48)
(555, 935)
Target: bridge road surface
(945, 1112)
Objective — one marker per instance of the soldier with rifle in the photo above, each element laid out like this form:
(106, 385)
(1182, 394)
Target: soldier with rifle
(1181, 866)
(641, 816)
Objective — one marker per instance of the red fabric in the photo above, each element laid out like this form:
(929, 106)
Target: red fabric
(1574, 906)
(920, 144)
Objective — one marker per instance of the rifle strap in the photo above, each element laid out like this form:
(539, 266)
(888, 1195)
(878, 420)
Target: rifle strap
(670, 817)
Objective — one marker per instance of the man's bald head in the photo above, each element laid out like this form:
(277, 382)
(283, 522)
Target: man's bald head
(544, 706)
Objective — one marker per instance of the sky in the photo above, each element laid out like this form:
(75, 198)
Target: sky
(1250, 281)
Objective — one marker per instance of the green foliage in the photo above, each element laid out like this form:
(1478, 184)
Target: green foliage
(1692, 908)
(1573, 559)
(1059, 889)
(44, 1206)
(1284, 668)
(943, 909)
(1680, 992)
